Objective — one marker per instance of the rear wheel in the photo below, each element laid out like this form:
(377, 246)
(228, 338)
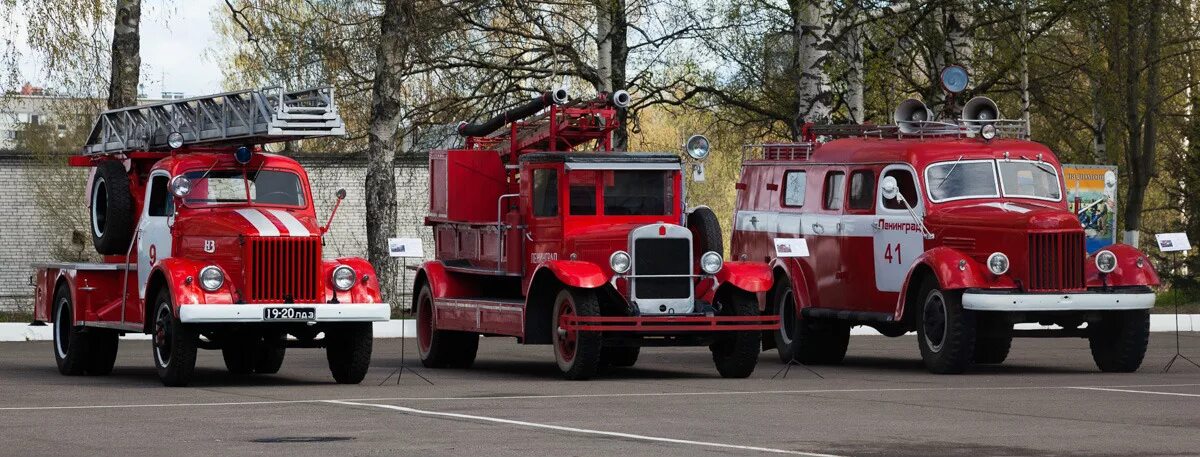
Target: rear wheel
(946, 331)
(174, 344)
(441, 348)
(348, 350)
(577, 352)
(70, 347)
(736, 353)
(807, 340)
(1119, 340)
(619, 356)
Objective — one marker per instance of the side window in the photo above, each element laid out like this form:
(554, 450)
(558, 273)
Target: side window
(907, 187)
(834, 181)
(545, 192)
(862, 189)
(794, 183)
(161, 203)
(582, 192)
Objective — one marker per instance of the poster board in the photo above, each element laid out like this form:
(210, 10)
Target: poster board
(1092, 196)
(405, 247)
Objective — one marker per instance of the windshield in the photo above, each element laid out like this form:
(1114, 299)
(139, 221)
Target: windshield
(1030, 179)
(227, 187)
(961, 179)
(621, 192)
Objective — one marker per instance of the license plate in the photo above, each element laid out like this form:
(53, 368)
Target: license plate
(289, 314)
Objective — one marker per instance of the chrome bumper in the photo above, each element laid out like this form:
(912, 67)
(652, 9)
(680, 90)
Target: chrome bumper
(1086, 301)
(342, 312)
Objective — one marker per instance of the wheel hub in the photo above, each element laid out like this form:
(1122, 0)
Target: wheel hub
(934, 322)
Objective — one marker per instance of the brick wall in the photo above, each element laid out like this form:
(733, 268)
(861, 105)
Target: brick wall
(28, 230)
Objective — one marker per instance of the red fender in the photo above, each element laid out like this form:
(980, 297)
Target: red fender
(573, 273)
(795, 274)
(944, 262)
(177, 270)
(444, 283)
(1127, 272)
(748, 276)
(362, 291)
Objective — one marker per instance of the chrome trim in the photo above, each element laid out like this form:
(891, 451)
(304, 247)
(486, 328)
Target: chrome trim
(1057, 302)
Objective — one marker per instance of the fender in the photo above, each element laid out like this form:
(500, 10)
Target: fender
(1127, 272)
(365, 289)
(944, 263)
(794, 273)
(177, 270)
(748, 276)
(573, 273)
(445, 284)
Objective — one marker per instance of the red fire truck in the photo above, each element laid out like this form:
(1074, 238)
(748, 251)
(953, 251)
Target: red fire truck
(544, 234)
(955, 230)
(208, 243)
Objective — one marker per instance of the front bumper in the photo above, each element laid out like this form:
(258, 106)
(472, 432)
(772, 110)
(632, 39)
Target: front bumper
(669, 324)
(341, 312)
(979, 300)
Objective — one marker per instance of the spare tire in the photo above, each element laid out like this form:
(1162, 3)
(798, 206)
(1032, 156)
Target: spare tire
(112, 209)
(706, 232)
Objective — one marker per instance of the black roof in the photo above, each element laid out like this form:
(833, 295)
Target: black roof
(599, 157)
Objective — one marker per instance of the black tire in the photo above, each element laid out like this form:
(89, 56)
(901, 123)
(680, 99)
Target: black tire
(990, 346)
(70, 345)
(807, 340)
(348, 349)
(238, 353)
(577, 353)
(174, 344)
(271, 353)
(102, 348)
(736, 353)
(112, 212)
(706, 231)
(441, 348)
(945, 331)
(621, 357)
(1119, 340)
(253, 353)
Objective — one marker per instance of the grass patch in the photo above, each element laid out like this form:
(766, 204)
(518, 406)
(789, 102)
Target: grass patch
(1188, 302)
(16, 316)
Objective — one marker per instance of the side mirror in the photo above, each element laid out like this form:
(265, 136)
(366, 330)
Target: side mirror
(341, 193)
(889, 188)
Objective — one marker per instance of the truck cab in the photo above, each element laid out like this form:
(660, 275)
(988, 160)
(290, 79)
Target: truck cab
(593, 252)
(206, 245)
(946, 230)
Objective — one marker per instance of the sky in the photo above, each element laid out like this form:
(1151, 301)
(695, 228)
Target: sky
(178, 45)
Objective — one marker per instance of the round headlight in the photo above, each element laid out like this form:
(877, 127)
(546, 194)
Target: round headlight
(620, 262)
(998, 263)
(175, 140)
(181, 186)
(343, 277)
(988, 131)
(711, 262)
(211, 278)
(1106, 261)
(697, 147)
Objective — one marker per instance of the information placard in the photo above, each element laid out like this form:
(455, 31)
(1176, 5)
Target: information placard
(405, 247)
(1173, 242)
(791, 247)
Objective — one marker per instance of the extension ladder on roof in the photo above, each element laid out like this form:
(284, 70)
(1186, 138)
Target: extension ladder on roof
(267, 115)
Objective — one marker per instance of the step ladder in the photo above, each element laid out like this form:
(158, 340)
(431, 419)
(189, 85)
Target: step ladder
(267, 115)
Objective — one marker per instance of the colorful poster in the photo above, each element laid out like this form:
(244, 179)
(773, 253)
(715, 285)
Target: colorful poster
(1092, 196)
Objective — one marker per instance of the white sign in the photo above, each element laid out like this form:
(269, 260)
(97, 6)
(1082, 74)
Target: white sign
(1173, 242)
(405, 247)
(791, 247)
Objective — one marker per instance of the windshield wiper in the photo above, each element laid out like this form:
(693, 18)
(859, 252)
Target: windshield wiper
(948, 173)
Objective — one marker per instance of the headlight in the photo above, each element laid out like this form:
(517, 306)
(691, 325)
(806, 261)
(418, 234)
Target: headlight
(211, 278)
(343, 277)
(998, 263)
(711, 262)
(619, 261)
(988, 131)
(1106, 261)
(697, 147)
(181, 186)
(175, 140)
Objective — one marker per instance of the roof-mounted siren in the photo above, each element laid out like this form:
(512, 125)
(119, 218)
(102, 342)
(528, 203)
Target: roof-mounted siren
(910, 115)
(980, 111)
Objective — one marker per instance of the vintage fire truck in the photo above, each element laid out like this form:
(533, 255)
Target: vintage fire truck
(955, 230)
(208, 243)
(545, 234)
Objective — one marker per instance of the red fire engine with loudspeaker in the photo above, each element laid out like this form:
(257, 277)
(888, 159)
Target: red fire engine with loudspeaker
(544, 234)
(954, 229)
(208, 243)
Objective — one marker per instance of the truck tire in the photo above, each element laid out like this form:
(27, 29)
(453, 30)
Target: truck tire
(805, 340)
(253, 353)
(102, 348)
(991, 348)
(70, 345)
(271, 353)
(174, 344)
(112, 209)
(577, 352)
(621, 357)
(736, 353)
(441, 348)
(1118, 341)
(706, 231)
(238, 355)
(348, 349)
(945, 331)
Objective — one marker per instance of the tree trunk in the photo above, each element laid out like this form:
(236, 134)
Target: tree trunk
(612, 54)
(1142, 149)
(810, 20)
(396, 25)
(855, 74)
(126, 55)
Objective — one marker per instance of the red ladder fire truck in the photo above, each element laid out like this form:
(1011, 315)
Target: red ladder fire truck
(545, 234)
(208, 243)
(957, 230)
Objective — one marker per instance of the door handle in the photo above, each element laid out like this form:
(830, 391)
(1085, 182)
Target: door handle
(818, 229)
(877, 225)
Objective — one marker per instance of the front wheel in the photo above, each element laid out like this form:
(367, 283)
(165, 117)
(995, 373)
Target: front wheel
(736, 353)
(577, 352)
(946, 331)
(348, 349)
(174, 344)
(1118, 341)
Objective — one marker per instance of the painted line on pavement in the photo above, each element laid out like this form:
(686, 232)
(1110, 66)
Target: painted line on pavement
(582, 431)
(1107, 389)
(568, 396)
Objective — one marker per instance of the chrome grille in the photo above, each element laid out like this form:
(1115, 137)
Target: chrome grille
(662, 256)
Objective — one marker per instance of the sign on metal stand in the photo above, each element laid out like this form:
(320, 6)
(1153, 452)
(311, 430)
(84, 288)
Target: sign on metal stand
(405, 248)
(1175, 243)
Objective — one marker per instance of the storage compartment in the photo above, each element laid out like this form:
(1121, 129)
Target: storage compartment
(465, 185)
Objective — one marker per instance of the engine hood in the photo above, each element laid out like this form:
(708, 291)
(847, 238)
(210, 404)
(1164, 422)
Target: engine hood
(602, 233)
(1012, 215)
(218, 222)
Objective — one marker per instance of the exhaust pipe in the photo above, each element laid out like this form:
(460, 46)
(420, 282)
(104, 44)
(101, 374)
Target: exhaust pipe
(554, 97)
